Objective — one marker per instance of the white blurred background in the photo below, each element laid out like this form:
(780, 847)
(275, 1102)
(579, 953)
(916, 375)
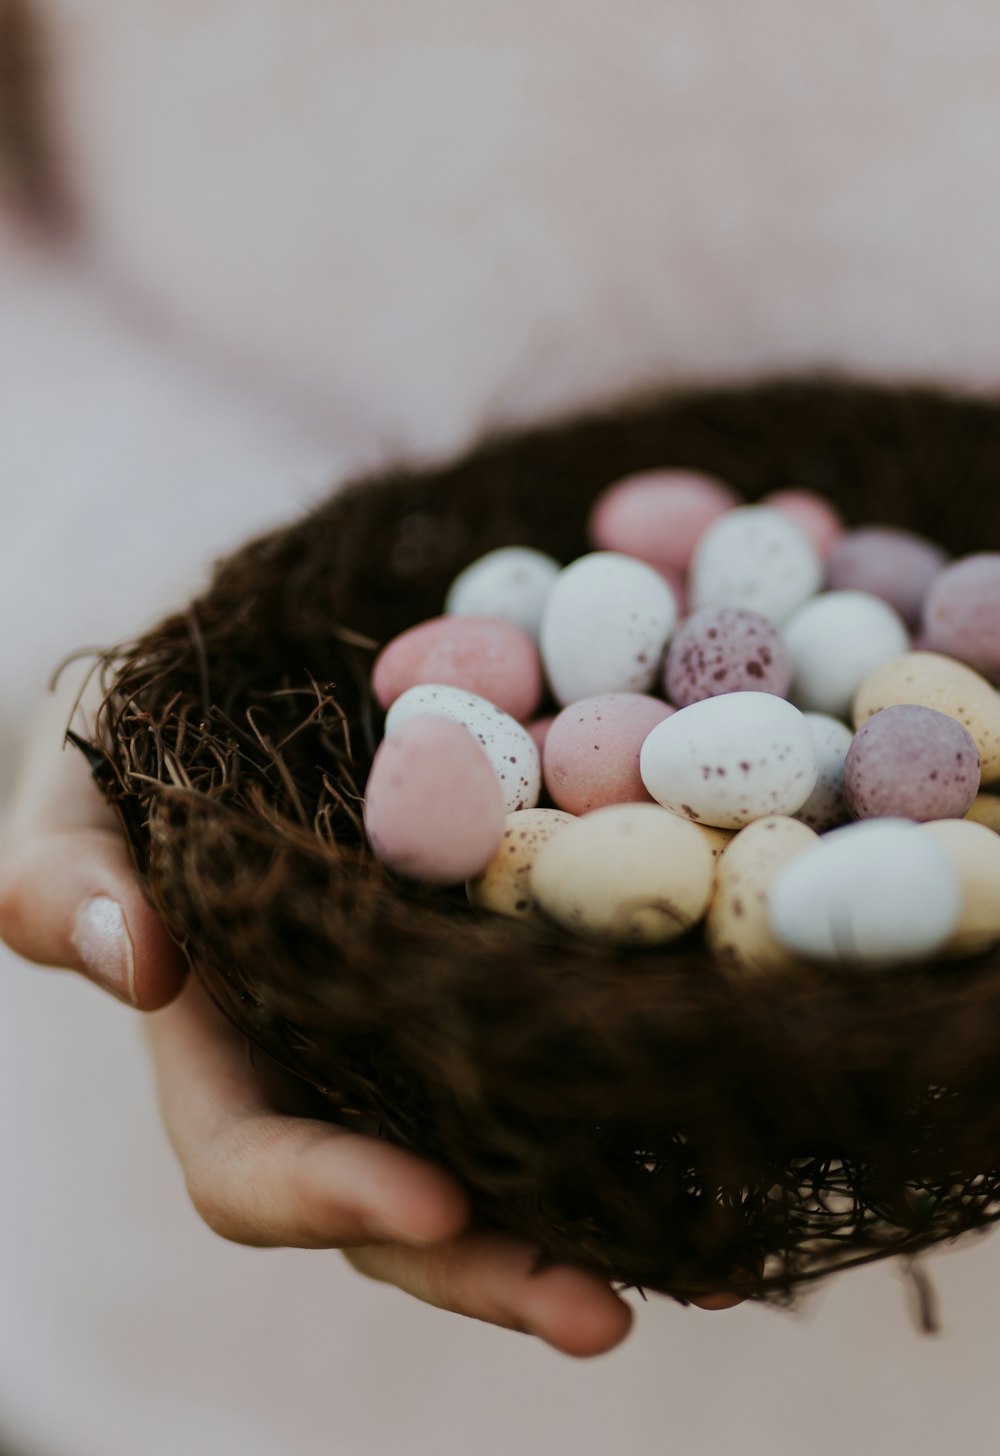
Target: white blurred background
(317, 236)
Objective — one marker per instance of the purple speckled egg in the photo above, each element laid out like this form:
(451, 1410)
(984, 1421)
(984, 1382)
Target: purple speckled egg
(592, 751)
(962, 613)
(726, 650)
(888, 562)
(910, 762)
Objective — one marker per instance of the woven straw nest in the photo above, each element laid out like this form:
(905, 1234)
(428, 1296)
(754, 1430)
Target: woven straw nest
(639, 1113)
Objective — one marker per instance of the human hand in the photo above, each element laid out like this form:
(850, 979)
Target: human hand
(257, 1170)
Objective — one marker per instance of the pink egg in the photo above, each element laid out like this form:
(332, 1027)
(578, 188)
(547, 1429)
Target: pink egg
(482, 655)
(962, 612)
(817, 516)
(658, 515)
(434, 808)
(592, 750)
(539, 730)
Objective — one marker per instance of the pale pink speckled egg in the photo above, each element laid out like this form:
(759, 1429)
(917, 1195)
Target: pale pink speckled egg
(493, 659)
(592, 750)
(434, 808)
(817, 516)
(658, 515)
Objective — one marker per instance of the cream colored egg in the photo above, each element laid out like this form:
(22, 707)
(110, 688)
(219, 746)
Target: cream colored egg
(986, 810)
(716, 839)
(505, 884)
(738, 929)
(934, 681)
(974, 850)
(633, 874)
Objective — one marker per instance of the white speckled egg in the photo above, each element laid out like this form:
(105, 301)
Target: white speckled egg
(505, 884)
(756, 558)
(729, 760)
(878, 893)
(509, 746)
(835, 640)
(633, 874)
(512, 583)
(606, 627)
(738, 929)
(932, 681)
(974, 850)
(826, 807)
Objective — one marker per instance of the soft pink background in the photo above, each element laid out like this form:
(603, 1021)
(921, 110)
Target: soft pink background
(317, 237)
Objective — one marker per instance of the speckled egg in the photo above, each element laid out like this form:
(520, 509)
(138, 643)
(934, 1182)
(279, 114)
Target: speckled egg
(632, 874)
(508, 745)
(726, 650)
(738, 928)
(490, 658)
(729, 760)
(591, 755)
(974, 851)
(986, 810)
(505, 884)
(658, 515)
(888, 562)
(962, 613)
(938, 682)
(826, 807)
(606, 626)
(756, 558)
(871, 895)
(433, 807)
(835, 640)
(511, 583)
(910, 762)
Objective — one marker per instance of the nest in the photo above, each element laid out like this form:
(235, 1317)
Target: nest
(644, 1114)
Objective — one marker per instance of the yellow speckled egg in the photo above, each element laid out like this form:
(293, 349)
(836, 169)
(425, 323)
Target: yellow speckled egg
(934, 681)
(974, 850)
(738, 930)
(986, 810)
(505, 884)
(633, 874)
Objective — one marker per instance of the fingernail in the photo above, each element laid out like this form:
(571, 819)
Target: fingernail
(101, 937)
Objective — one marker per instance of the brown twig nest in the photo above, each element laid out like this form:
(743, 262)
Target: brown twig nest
(639, 1113)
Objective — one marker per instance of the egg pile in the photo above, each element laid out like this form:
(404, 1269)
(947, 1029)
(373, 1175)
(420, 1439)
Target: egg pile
(746, 716)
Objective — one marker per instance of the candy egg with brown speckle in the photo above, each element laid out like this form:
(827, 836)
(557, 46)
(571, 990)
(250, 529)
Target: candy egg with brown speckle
(504, 886)
(974, 851)
(738, 928)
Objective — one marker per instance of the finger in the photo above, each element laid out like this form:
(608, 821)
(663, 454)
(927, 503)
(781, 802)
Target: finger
(69, 896)
(487, 1275)
(259, 1178)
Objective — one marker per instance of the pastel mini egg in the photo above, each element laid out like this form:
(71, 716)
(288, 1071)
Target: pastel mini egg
(506, 743)
(962, 612)
(434, 810)
(511, 583)
(591, 755)
(835, 640)
(826, 807)
(492, 659)
(911, 762)
(756, 558)
(738, 928)
(814, 514)
(539, 730)
(504, 886)
(726, 650)
(658, 515)
(605, 628)
(729, 760)
(875, 894)
(631, 874)
(938, 682)
(986, 810)
(888, 562)
(974, 850)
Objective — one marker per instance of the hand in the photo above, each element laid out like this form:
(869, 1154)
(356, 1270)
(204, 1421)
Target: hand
(257, 1173)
